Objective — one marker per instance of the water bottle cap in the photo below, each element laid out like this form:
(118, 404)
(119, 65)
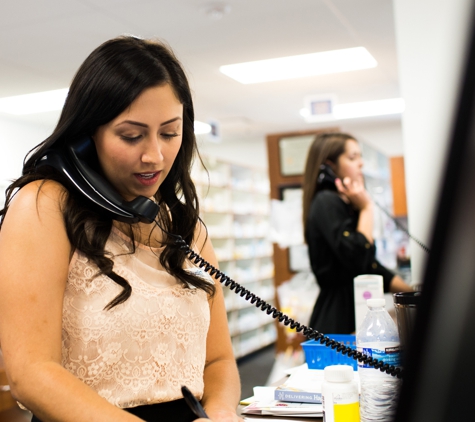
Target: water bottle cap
(376, 303)
(338, 373)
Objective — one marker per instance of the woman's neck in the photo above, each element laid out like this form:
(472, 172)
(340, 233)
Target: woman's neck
(146, 234)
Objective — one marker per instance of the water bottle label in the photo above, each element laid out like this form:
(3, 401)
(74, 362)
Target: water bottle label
(389, 355)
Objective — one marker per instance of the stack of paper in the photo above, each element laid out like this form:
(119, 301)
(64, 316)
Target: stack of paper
(264, 404)
(278, 408)
(303, 386)
(299, 396)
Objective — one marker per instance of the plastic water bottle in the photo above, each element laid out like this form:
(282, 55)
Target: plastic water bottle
(378, 337)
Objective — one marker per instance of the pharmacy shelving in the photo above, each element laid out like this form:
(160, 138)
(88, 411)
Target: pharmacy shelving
(234, 205)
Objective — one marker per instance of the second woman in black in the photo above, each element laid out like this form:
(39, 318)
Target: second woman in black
(338, 222)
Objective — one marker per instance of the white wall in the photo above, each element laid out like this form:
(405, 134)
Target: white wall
(247, 151)
(430, 38)
(17, 137)
(384, 136)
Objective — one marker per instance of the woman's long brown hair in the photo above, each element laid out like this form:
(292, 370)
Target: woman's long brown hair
(326, 147)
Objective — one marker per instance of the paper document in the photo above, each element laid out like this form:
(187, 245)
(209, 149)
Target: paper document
(276, 419)
(278, 408)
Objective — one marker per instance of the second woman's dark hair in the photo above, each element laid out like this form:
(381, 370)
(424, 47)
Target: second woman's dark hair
(107, 82)
(325, 147)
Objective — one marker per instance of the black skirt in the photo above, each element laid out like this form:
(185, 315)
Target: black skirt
(176, 411)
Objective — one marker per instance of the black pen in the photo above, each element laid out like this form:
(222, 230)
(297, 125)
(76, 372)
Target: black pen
(193, 402)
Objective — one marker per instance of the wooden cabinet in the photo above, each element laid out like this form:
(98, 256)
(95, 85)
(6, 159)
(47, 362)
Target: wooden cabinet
(235, 206)
(398, 182)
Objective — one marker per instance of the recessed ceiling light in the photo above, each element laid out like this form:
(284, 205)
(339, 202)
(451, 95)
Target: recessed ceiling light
(291, 67)
(38, 102)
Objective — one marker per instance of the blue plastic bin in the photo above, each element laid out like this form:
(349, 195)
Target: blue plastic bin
(318, 356)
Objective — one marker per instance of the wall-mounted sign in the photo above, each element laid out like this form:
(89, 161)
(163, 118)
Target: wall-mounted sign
(293, 152)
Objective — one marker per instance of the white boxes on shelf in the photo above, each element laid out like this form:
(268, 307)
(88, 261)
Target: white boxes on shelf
(235, 206)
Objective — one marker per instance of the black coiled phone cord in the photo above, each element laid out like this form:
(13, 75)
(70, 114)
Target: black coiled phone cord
(308, 332)
(401, 227)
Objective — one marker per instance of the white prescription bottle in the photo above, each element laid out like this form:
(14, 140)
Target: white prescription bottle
(340, 395)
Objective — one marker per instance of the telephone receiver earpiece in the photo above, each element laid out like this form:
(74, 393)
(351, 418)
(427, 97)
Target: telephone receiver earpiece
(326, 174)
(74, 161)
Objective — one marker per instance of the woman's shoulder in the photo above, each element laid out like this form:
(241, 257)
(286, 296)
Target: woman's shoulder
(38, 196)
(327, 195)
(35, 219)
(328, 201)
(45, 185)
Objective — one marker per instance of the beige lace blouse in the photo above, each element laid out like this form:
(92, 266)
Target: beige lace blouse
(143, 350)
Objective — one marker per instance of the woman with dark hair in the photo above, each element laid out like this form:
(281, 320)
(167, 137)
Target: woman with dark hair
(338, 224)
(98, 315)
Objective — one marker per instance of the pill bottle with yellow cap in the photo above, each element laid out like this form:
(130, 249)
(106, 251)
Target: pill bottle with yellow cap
(340, 396)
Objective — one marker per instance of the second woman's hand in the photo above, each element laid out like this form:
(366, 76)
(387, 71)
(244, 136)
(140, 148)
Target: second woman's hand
(354, 191)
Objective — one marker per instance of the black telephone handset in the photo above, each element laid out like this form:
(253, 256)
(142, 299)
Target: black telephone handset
(326, 175)
(76, 160)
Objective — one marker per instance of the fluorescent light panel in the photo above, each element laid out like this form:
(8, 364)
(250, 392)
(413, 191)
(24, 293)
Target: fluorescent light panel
(369, 108)
(38, 102)
(361, 109)
(326, 62)
(200, 128)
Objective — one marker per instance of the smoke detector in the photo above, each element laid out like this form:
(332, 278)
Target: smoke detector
(216, 11)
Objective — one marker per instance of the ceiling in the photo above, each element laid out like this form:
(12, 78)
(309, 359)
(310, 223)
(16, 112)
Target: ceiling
(42, 43)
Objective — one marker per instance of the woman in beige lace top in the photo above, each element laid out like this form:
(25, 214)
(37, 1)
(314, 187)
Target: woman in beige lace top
(102, 320)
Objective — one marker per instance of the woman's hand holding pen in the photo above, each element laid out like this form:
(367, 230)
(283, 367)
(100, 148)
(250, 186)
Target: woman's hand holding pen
(223, 416)
(217, 414)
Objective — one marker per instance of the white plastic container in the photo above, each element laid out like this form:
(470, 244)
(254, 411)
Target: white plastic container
(340, 395)
(378, 337)
(366, 286)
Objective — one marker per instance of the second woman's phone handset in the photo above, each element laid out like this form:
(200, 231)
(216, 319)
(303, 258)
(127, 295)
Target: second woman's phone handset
(326, 175)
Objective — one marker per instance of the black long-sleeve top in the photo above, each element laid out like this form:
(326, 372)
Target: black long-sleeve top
(338, 253)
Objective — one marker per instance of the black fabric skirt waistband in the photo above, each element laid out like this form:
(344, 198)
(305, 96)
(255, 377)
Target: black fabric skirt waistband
(173, 411)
